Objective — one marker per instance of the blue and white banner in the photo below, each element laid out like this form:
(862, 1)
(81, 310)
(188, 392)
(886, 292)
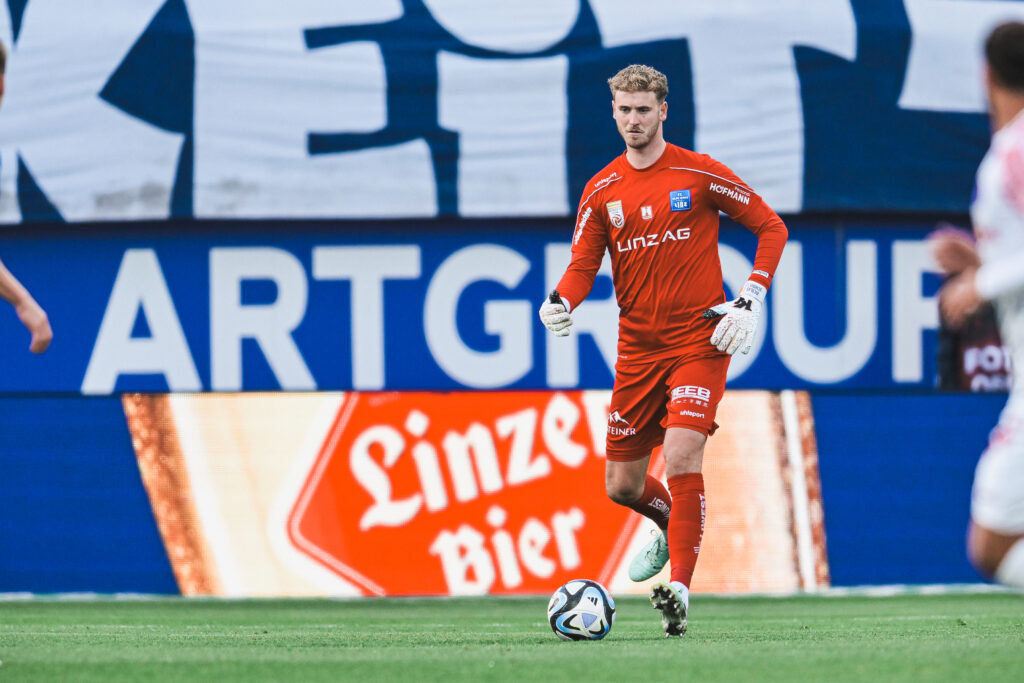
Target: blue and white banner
(77, 518)
(215, 306)
(150, 109)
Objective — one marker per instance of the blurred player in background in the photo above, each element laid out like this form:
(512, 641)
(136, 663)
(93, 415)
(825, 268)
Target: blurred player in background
(29, 312)
(655, 210)
(994, 272)
(970, 354)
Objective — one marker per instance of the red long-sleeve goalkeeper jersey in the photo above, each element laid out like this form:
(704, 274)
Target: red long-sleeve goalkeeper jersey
(660, 226)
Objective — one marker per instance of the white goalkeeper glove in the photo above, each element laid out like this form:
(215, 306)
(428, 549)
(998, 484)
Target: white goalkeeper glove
(735, 332)
(554, 313)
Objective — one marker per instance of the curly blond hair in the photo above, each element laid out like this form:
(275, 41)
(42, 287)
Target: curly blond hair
(640, 78)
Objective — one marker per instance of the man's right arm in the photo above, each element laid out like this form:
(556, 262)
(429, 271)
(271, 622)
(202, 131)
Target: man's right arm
(31, 314)
(588, 245)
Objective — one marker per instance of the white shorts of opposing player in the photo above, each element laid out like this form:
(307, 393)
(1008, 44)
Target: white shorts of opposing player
(997, 500)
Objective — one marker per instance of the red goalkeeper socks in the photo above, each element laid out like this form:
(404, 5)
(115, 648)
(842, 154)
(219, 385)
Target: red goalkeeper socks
(654, 502)
(686, 525)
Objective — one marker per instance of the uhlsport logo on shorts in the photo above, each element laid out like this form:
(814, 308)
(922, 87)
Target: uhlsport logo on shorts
(462, 494)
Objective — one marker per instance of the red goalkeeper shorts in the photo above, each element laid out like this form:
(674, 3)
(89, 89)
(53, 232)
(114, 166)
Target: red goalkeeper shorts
(649, 397)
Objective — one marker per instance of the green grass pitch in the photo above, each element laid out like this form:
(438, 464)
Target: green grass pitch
(911, 637)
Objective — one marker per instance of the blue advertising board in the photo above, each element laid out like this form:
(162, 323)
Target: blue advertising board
(896, 474)
(896, 492)
(75, 514)
(246, 306)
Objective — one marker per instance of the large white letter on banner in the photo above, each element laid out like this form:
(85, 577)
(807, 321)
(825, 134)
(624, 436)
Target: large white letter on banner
(912, 313)
(509, 320)
(746, 87)
(520, 26)
(944, 71)
(260, 92)
(367, 268)
(835, 363)
(140, 286)
(511, 151)
(270, 325)
(468, 567)
(91, 159)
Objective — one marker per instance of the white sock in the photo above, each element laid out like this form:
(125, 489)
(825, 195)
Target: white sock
(685, 592)
(1011, 569)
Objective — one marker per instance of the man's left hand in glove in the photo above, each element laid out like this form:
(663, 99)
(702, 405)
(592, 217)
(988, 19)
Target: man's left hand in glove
(735, 331)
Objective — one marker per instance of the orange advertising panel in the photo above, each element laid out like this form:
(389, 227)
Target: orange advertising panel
(462, 493)
(471, 493)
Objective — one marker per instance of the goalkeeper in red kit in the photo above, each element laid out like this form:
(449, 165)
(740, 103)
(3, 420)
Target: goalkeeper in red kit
(655, 210)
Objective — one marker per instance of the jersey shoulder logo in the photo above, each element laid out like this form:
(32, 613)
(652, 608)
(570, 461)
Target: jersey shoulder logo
(615, 214)
(604, 181)
(679, 200)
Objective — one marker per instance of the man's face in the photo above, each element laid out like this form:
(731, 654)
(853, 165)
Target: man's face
(638, 117)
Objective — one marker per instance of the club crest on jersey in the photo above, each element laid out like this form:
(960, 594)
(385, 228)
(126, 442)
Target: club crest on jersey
(615, 213)
(679, 200)
(646, 212)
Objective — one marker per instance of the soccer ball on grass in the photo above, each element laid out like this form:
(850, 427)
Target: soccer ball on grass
(581, 610)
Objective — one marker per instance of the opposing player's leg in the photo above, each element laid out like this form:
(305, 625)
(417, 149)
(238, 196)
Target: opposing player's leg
(995, 542)
(998, 556)
(694, 389)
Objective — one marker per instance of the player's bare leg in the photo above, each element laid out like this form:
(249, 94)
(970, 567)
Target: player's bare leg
(684, 456)
(624, 479)
(999, 556)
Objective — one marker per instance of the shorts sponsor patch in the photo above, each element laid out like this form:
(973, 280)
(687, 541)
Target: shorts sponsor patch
(689, 394)
(619, 426)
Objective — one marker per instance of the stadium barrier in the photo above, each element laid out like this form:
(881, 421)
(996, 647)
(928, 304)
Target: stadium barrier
(89, 504)
(457, 493)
